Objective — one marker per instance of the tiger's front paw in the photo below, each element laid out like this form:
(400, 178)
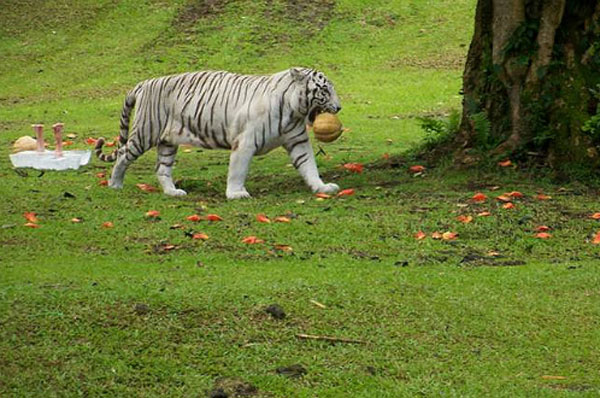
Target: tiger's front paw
(176, 192)
(327, 188)
(242, 194)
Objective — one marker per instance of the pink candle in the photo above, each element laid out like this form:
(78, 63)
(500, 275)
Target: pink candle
(58, 127)
(39, 135)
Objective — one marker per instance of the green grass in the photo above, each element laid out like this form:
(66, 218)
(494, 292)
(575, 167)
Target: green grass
(437, 318)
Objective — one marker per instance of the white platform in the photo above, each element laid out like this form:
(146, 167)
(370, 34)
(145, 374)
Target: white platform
(48, 160)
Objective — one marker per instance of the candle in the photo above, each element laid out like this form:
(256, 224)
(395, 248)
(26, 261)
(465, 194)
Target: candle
(39, 134)
(57, 127)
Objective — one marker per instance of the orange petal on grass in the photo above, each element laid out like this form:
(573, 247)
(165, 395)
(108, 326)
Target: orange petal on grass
(504, 198)
(420, 235)
(91, 141)
(449, 235)
(31, 225)
(194, 218)
(251, 240)
(110, 143)
(515, 194)
(75, 220)
(152, 213)
(595, 216)
(263, 218)
(346, 192)
(541, 196)
(283, 248)
(281, 219)
(103, 183)
(146, 187)
(322, 195)
(543, 235)
(107, 224)
(385, 156)
(479, 197)
(354, 167)
(543, 228)
(68, 143)
(505, 163)
(213, 217)
(436, 235)
(200, 236)
(484, 214)
(101, 174)
(30, 216)
(508, 205)
(416, 168)
(596, 238)
(464, 219)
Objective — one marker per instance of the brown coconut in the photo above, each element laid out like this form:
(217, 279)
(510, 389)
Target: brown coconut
(25, 143)
(327, 127)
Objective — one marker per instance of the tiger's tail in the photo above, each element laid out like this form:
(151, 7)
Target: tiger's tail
(124, 129)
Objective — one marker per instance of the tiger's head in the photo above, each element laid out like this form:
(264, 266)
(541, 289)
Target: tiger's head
(318, 94)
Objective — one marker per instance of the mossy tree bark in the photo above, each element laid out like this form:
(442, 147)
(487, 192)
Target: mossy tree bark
(530, 80)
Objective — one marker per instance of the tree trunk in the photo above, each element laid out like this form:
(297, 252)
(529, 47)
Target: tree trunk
(530, 80)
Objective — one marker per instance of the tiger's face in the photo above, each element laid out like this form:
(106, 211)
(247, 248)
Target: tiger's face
(320, 96)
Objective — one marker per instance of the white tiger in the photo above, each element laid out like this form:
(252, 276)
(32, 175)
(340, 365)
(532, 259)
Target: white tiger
(251, 115)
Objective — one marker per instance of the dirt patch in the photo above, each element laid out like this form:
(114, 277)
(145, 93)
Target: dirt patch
(233, 388)
(196, 10)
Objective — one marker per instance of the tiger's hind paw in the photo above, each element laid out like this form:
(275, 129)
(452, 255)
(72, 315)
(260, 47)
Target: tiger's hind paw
(238, 194)
(176, 192)
(328, 188)
(115, 184)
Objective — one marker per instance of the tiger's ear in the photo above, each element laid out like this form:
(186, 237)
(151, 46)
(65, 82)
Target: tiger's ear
(297, 74)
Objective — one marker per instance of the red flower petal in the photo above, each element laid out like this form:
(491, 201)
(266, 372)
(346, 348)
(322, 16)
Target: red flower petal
(213, 217)
(262, 218)
(152, 213)
(464, 219)
(354, 167)
(479, 197)
(30, 216)
(416, 168)
(322, 195)
(346, 192)
(31, 225)
(251, 240)
(281, 219)
(420, 235)
(107, 224)
(505, 163)
(194, 218)
(200, 236)
(543, 235)
(146, 187)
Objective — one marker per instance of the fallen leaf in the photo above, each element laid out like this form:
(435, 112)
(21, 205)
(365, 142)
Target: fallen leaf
(385, 156)
(68, 143)
(30, 216)
(91, 141)
(484, 214)
(595, 216)
(194, 218)
(508, 205)
(146, 187)
(346, 192)
(31, 225)
(550, 377)
(449, 235)
(543, 228)
(75, 220)
(515, 194)
(464, 219)
(479, 197)
(493, 253)
(200, 236)
(103, 183)
(168, 247)
(281, 219)
(322, 195)
(213, 217)
(283, 248)
(107, 224)
(177, 226)
(251, 240)
(420, 235)
(152, 213)
(543, 235)
(541, 196)
(101, 174)
(503, 198)
(110, 143)
(417, 168)
(436, 235)
(354, 167)
(596, 239)
(505, 163)
(263, 218)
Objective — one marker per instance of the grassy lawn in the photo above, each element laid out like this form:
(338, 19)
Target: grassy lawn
(143, 310)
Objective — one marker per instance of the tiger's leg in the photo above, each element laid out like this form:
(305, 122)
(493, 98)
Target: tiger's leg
(301, 153)
(239, 164)
(126, 155)
(166, 157)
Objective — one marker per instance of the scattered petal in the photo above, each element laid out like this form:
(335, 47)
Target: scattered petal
(68, 143)
(479, 197)
(515, 194)
(213, 217)
(503, 198)
(541, 196)
(152, 213)
(417, 168)
(110, 143)
(30, 216)
(505, 163)
(251, 240)
(449, 235)
(263, 218)
(484, 214)
(200, 236)
(103, 183)
(283, 248)
(595, 216)
(107, 224)
(385, 156)
(146, 187)
(91, 141)
(543, 235)
(508, 205)
(101, 174)
(76, 220)
(420, 235)
(346, 192)
(281, 219)
(436, 235)
(596, 239)
(543, 228)
(168, 247)
(354, 167)
(464, 219)
(194, 218)
(31, 225)
(322, 195)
